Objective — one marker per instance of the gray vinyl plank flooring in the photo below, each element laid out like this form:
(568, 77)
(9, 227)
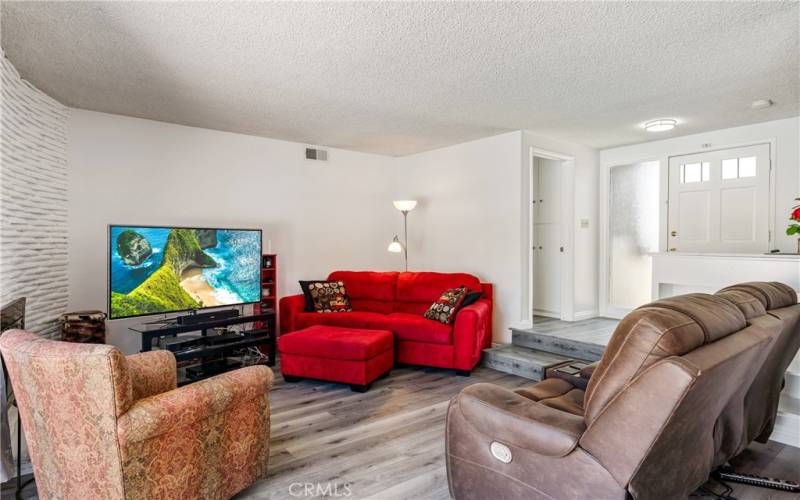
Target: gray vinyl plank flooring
(388, 443)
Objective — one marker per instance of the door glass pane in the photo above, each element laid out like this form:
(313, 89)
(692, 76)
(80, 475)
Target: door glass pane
(747, 166)
(706, 171)
(691, 172)
(633, 231)
(730, 168)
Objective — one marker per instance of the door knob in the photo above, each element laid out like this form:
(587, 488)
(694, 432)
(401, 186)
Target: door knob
(673, 249)
(673, 233)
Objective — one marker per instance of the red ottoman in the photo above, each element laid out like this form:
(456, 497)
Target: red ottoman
(352, 356)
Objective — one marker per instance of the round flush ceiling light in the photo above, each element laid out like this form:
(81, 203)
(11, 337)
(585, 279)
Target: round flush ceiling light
(660, 125)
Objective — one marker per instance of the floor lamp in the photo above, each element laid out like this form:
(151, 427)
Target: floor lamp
(395, 246)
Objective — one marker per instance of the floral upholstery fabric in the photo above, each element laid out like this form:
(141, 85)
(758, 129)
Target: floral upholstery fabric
(152, 373)
(100, 425)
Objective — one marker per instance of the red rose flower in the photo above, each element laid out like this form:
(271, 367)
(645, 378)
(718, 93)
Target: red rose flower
(795, 214)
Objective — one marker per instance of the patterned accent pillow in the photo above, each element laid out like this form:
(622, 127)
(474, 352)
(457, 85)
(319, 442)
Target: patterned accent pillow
(329, 296)
(444, 308)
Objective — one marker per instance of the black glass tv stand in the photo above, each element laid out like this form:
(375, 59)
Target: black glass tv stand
(210, 349)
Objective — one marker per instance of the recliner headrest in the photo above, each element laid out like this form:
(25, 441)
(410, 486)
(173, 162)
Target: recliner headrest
(715, 315)
(750, 306)
(773, 295)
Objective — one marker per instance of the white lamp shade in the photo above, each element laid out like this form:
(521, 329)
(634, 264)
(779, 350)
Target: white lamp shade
(405, 205)
(395, 246)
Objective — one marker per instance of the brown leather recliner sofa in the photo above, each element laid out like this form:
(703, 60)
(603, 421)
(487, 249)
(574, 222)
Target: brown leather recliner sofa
(685, 384)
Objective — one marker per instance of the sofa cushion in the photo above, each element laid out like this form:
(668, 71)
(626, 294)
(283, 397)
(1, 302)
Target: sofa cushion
(329, 296)
(414, 328)
(368, 290)
(555, 393)
(336, 343)
(445, 307)
(427, 287)
(354, 319)
(304, 284)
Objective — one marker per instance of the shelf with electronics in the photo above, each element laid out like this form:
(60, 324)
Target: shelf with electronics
(269, 301)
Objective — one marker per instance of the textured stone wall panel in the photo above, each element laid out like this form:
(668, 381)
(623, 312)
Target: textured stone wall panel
(33, 201)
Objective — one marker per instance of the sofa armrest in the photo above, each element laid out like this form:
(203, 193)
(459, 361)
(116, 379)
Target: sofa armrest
(472, 333)
(182, 407)
(288, 309)
(588, 370)
(152, 373)
(513, 419)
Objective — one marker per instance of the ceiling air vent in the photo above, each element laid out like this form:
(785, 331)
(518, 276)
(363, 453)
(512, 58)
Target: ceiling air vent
(316, 154)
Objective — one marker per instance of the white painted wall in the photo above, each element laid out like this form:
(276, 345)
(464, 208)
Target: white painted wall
(785, 136)
(468, 216)
(473, 217)
(318, 216)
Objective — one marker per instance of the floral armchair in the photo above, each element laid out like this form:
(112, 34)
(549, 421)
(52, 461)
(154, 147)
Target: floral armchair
(106, 426)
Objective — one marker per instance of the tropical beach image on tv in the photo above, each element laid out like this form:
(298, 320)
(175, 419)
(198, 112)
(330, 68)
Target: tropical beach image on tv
(156, 270)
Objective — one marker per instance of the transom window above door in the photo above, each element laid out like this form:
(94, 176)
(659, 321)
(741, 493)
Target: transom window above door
(736, 168)
(695, 172)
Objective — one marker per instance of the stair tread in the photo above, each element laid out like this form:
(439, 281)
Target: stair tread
(561, 337)
(562, 345)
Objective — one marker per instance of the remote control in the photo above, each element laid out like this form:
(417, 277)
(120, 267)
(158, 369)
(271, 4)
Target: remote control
(728, 474)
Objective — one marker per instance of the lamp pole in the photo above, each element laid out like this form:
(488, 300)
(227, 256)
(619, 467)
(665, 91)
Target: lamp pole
(405, 237)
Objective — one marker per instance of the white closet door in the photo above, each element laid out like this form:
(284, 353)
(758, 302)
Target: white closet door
(547, 237)
(719, 201)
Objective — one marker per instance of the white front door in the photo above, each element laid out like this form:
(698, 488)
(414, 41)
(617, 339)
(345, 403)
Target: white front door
(719, 201)
(547, 237)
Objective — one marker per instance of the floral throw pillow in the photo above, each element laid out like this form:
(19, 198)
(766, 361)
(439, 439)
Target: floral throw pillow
(329, 296)
(444, 308)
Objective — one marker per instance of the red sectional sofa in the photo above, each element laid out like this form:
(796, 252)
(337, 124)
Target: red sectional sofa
(396, 302)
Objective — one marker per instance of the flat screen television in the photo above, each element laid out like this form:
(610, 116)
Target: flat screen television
(156, 270)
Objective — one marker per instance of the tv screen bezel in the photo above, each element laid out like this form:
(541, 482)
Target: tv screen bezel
(109, 250)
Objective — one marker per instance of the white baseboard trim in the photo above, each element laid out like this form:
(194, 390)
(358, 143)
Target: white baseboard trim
(547, 314)
(589, 314)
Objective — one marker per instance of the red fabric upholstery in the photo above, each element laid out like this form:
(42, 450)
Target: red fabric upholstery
(396, 301)
(427, 287)
(353, 319)
(289, 308)
(412, 327)
(337, 370)
(368, 291)
(475, 317)
(336, 343)
(346, 355)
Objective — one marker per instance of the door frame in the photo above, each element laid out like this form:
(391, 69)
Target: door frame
(567, 263)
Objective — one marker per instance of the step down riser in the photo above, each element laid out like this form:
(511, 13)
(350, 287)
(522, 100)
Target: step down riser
(572, 349)
(520, 361)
